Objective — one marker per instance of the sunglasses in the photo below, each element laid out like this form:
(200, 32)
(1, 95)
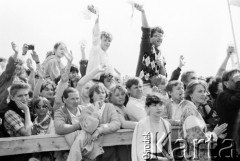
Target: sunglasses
(109, 77)
(45, 87)
(42, 107)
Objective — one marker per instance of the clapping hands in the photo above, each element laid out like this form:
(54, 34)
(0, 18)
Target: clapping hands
(219, 130)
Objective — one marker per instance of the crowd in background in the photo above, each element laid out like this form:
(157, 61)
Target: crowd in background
(83, 102)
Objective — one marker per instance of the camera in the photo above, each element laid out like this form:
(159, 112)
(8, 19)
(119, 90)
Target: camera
(31, 47)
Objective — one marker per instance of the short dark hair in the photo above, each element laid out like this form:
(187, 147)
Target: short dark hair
(74, 68)
(36, 101)
(156, 29)
(46, 83)
(67, 91)
(133, 81)
(213, 87)
(152, 99)
(105, 75)
(55, 47)
(209, 79)
(172, 84)
(227, 75)
(96, 88)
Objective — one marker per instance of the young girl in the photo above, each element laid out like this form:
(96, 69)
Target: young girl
(109, 121)
(43, 124)
(152, 131)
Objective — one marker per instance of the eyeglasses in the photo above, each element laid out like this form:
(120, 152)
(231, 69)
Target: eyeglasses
(41, 107)
(45, 87)
(109, 77)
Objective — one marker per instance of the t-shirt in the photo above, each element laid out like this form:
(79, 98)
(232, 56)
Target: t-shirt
(75, 118)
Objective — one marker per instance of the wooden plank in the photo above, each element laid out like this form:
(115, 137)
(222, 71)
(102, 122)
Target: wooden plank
(31, 144)
(41, 143)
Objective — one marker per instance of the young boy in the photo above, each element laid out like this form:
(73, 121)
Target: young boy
(135, 107)
(175, 91)
(101, 41)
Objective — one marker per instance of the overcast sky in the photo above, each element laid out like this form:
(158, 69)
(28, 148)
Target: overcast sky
(198, 29)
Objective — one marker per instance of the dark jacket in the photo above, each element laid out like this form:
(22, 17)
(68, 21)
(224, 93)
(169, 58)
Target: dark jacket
(6, 82)
(228, 105)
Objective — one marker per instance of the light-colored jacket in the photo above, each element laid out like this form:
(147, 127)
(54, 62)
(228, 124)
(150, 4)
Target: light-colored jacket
(110, 121)
(81, 148)
(52, 67)
(138, 143)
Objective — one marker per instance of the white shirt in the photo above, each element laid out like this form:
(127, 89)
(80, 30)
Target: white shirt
(177, 110)
(100, 110)
(135, 109)
(74, 118)
(97, 56)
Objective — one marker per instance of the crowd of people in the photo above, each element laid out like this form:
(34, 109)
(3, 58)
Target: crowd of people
(83, 103)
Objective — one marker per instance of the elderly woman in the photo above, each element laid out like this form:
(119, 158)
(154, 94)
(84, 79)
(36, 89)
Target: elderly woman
(152, 135)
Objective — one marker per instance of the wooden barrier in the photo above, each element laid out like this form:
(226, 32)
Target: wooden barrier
(42, 143)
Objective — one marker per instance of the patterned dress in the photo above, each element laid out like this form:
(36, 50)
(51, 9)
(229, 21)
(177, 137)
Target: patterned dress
(194, 129)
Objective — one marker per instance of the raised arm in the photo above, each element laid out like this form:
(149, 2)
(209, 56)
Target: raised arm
(144, 18)
(91, 75)
(83, 62)
(63, 84)
(223, 66)
(176, 73)
(31, 78)
(96, 28)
